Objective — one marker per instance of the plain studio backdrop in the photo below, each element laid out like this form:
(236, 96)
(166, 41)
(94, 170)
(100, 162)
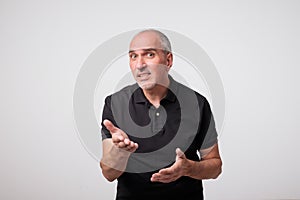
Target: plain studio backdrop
(253, 44)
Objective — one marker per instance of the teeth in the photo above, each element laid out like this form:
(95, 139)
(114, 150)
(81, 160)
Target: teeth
(141, 75)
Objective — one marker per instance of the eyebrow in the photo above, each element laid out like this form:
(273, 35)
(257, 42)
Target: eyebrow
(149, 49)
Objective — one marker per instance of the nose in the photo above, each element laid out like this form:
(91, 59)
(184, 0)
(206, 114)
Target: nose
(140, 64)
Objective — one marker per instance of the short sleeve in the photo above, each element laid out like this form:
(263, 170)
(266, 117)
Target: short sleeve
(106, 114)
(207, 128)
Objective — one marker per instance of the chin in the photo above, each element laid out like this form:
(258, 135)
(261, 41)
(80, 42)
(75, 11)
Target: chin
(147, 86)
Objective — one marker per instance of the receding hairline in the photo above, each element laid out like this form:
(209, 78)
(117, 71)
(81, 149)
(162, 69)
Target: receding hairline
(164, 40)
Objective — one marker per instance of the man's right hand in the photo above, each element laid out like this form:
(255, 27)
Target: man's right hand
(120, 138)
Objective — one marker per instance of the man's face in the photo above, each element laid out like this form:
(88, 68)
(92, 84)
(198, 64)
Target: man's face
(149, 63)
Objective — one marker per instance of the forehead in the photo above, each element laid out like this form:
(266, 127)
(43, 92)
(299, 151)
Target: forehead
(145, 40)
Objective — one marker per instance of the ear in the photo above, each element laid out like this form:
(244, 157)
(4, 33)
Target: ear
(169, 60)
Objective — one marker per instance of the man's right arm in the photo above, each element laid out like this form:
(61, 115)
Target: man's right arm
(116, 151)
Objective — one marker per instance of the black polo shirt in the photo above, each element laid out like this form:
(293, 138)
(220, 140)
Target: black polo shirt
(183, 119)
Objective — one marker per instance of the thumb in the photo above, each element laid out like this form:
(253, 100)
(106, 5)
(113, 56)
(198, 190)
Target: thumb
(109, 125)
(179, 154)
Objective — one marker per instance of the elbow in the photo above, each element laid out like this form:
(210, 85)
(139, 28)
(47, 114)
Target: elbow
(217, 174)
(110, 179)
(218, 170)
(106, 173)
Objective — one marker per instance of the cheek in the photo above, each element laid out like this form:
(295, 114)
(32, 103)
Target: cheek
(154, 61)
(132, 66)
(157, 72)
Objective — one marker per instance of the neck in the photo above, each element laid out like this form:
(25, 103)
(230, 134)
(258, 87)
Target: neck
(157, 93)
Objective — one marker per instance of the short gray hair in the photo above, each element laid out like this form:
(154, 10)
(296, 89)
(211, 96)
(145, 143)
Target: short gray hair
(164, 40)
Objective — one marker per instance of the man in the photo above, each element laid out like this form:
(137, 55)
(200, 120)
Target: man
(155, 115)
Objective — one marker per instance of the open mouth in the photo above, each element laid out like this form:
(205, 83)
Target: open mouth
(141, 75)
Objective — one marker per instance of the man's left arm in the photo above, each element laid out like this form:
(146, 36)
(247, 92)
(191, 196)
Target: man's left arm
(210, 166)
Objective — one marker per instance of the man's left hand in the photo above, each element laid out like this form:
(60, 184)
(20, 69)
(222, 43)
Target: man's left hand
(180, 168)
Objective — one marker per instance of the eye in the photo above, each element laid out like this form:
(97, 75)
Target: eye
(150, 54)
(132, 56)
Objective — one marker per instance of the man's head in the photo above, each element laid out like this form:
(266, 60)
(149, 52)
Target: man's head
(150, 58)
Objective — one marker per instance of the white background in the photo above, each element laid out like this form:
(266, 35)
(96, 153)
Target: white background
(43, 44)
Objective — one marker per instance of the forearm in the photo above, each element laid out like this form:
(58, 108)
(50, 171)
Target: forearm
(205, 169)
(109, 173)
(114, 160)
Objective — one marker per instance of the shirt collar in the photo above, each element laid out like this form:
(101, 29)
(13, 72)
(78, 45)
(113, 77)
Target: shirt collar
(139, 97)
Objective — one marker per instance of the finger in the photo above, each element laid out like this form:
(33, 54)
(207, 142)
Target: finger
(109, 126)
(116, 138)
(128, 148)
(132, 146)
(155, 177)
(179, 154)
(127, 142)
(166, 171)
(163, 178)
(121, 145)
